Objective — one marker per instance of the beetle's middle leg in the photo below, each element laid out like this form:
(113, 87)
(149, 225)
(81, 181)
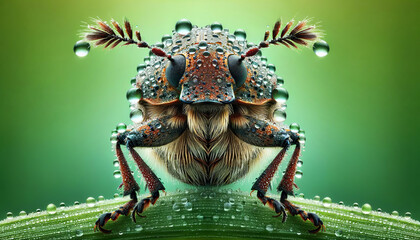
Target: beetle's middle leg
(154, 133)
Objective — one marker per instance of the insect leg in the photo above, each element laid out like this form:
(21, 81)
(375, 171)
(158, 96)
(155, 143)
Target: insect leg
(130, 188)
(152, 134)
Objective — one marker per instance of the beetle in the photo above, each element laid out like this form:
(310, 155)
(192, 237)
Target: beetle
(206, 102)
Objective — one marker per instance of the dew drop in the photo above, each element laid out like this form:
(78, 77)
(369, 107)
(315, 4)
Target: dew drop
(271, 68)
(202, 45)
(317, 198)
(299, 163)
(81, 48)
(38, 210)
(121, 127)
(117, 174)
(62, 205)
(200, 217)
(240, 34)
(133, 95)
(146, 60)
(188, 206)
(51, 208)
(216, 218)
(206, 54)
(133, 81)
(176, 207)
(101, 198)
(116, 163)
(408, 215)
(301, 195)
(341, 203)
(379, 210)
(192, 50)
(219, 50)
(338, 233)
(294, 127)
(216, 27)
(183, 26)
(76, 203)
(9, 215)
(138, 228)
(321, 48)
(22, 213)
(299, 174)
(166, 37)
(263, 59)
(326, 202)
(280, 81)
(141, 67)
(136, 116)
(78, 233)
(280, 95)
(227, 206)
(279, 115)
(394, 213)
(91, 202)
(366, 208)
(355, 205)
(269, 228)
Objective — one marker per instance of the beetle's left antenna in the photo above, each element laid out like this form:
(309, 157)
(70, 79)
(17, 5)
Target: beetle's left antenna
(299, 35)
(104, 34)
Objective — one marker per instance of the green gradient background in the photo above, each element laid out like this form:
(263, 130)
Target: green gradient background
(359, 105)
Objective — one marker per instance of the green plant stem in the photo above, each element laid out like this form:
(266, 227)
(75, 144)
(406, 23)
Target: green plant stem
(210, 217)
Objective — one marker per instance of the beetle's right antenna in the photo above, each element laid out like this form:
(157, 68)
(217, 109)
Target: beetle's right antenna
(105, 35)
(298, 36)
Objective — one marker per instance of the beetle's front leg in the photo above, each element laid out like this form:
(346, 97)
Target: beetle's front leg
(153, 133)
(262, 133)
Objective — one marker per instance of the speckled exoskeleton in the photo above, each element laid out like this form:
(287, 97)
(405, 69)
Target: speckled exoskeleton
(206, 102)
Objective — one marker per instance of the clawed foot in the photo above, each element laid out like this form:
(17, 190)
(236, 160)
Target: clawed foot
(140, 207)
(317, 222)
(102, 220)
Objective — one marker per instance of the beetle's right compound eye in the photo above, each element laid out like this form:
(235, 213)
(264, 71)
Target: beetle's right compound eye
(175, 70)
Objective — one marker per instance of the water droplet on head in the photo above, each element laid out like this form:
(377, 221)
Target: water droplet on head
(202, 45)
(51, 208)
(121, 127)
(117, 174)
(136, 116)
(206, 54)
(326, 202)
(271, 68)
(91, 202)
(240, 34)
(294, 127)
(280, 95)
(81, 48)
(133, 95)
(219, 50)
(183, 26)
(366, 208)
(22, 213)
(279, 115)
(216, 27)
(321, 48)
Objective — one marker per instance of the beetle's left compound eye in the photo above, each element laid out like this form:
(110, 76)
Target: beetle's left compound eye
(237, 69)
(175, 70)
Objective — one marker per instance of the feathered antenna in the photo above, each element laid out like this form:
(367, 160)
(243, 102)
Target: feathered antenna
(104, 34)
(299, 35)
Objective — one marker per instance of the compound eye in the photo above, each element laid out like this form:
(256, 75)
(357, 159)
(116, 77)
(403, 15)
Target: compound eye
(237, 69)
(175, 70)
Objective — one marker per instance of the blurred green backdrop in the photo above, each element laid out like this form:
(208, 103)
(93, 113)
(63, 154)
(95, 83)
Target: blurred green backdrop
(359, 105)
